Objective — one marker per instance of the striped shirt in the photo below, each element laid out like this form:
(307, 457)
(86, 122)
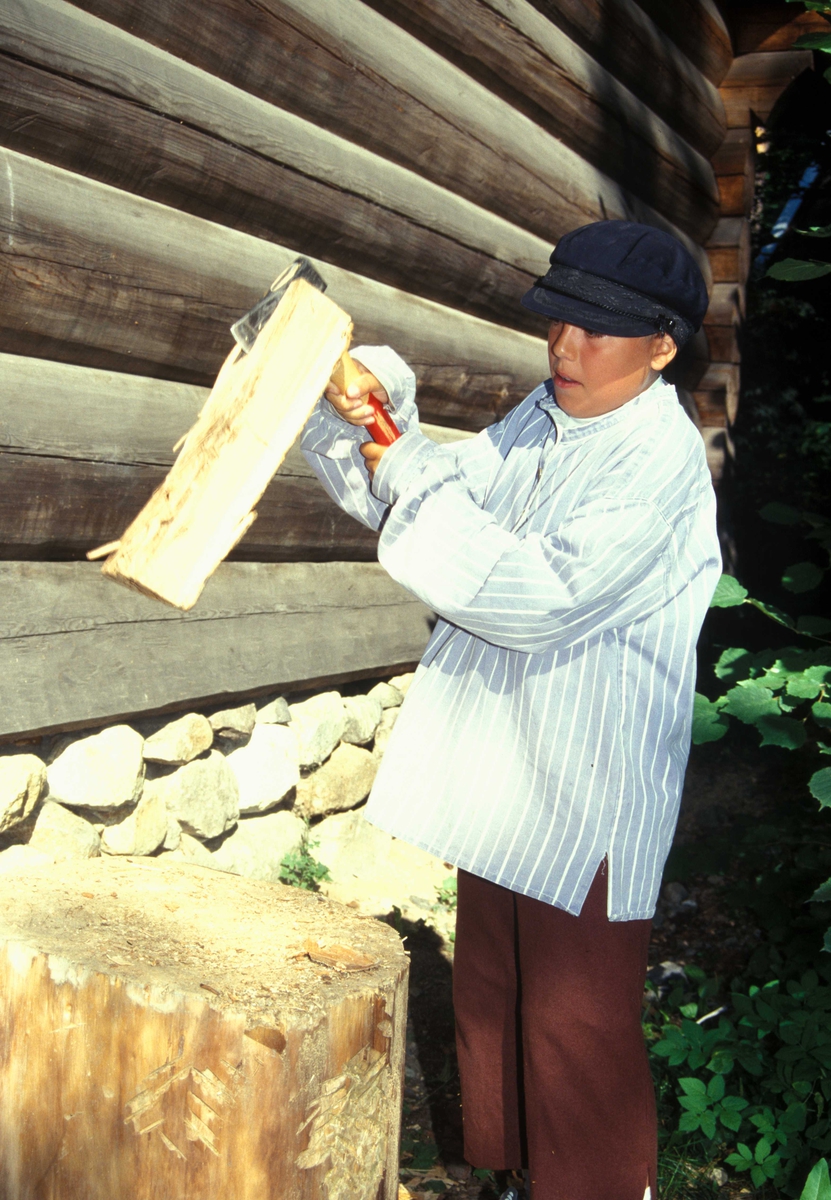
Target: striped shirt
(571, 564)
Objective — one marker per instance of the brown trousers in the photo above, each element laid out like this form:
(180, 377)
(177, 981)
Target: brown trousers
(554, 1070)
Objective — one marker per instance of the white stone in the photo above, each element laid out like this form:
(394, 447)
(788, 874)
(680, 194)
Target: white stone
(401, 683)
(104, 770)
(267, 768)
(143, 830)
(203, 796)
(363, 716)
(22, 778)
(384, 731)
(235, 724)
(173, 836)
(342, 782)
(371, 868)
(180, 741)
(319, 724)
(190, 850)
(23, 858)
(258, 845)
(274, 712)
(63, 834)
(386, 695)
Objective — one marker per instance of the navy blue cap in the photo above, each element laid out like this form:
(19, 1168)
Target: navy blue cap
(622, 278)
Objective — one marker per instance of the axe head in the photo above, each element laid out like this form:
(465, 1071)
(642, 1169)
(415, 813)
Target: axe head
(245, 330)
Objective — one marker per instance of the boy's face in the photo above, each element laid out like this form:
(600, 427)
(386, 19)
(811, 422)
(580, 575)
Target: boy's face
(594, 373)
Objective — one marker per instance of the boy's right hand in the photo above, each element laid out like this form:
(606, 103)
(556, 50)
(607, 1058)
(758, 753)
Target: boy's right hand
(352, 405)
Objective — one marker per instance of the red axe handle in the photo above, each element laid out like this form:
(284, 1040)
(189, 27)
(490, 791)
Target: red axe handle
(383, 429)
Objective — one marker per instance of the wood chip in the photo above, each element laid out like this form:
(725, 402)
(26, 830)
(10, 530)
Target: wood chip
(339, 958)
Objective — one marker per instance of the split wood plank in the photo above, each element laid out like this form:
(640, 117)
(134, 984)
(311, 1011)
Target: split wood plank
(518, 53)
(187, 1049)
(257, 407)
(346, 68)
(104, 279)
(620, 36)
(81, 452)
(76, 652)
(94, 99)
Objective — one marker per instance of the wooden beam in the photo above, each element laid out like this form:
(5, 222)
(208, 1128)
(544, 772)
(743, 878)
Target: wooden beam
(698, 29)
(620, 36)
(771, 27)
(735, 166)
(76, 651)
(82, 450)
(518, 53)
(756, 81)
(349, 70)
(93, 99)
(729, 250)
(106, 279)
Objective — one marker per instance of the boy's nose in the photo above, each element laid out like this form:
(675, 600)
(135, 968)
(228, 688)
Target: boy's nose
(563, 345)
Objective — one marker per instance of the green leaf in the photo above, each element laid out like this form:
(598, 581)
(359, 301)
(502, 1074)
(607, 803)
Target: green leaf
(823, 893)
(763, 1149)
(814, 41)
(820, 231)
(749, 701)
(693, 1087)
(715, 1088)
(821, 712)
(775, 614)
(734, 663)
(818, 1183)
(820, 672)
(728, 593)
(818, 626)
(803, 688)
(730, 1119)
(798, 270)
(802, 577)
(819, 786)
(708, 723)
(708, 1124)
(689, 1122)
(781, 731)
(780, 514)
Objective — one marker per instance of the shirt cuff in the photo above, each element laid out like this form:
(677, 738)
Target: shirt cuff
(397, 379)
(401, 464)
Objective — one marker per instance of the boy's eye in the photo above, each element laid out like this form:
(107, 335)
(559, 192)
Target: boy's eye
(594, 333)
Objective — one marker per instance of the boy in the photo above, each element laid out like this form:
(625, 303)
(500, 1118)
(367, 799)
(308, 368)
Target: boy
(571, 554)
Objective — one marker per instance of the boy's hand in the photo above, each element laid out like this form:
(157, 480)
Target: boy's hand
(352, 406)
(372, 453)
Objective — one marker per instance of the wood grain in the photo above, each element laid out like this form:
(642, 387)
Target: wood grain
(620, 36)
(349, 70)
(175, 1055)
(756, 81)
(698, 29)
(517, 53)
(105, 279)
(77, 651)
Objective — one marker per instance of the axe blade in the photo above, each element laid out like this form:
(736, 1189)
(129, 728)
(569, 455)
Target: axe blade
(245, 330)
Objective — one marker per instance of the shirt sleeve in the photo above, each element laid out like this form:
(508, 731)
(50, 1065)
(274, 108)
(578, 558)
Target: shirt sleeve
(602, 568)
(330, 444)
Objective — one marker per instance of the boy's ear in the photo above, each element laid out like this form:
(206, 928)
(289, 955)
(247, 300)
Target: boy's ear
(663, 352)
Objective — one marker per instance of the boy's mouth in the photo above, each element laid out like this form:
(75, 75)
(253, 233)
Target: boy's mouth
(563, 381)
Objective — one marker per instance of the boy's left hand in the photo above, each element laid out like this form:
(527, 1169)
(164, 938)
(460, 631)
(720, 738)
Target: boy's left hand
(372, 453)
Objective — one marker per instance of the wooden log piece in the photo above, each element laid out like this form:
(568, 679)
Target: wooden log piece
(698, 29)
(94, 99)
(195, 1046)
(109, 280)
(348, 69)
(76, 652)
(257, 407)
(517, 53)
(729, 250)
(769, 27)
(620, 36)
(81, 452)
(756, 81)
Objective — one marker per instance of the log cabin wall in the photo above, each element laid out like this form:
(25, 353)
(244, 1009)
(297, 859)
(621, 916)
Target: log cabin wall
(164, 159)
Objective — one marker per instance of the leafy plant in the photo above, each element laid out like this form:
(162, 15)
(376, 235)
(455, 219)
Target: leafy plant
(447, 893)
(299, 868)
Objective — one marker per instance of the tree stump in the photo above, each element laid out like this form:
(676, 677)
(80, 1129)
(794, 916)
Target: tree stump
(172, 1032)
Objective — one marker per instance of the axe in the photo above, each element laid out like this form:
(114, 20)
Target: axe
(382, 429)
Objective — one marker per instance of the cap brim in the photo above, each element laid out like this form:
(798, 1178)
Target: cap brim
(558, 307)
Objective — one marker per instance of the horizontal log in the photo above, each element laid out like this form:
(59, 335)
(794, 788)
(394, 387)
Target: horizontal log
(729, 250)
(93, 99)
(347, 69)
(102, 278)
(736, 154)
(620, 36)
(712, 412)
(698, 29)
(723, 341)
(77, 650)
(727, 305)
(517, 53)
(756, 81)
(736, 193)
(81, 451)
(768, 27)
(721, 379)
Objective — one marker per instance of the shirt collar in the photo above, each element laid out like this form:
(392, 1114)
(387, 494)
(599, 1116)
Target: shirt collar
(635, 411)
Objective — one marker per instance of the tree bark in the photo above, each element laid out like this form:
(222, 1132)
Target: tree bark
(193, 1047)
